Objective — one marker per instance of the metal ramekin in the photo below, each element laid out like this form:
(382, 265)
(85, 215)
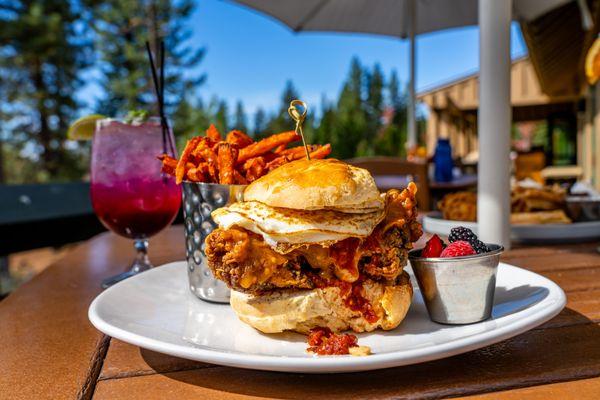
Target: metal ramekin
(199, 200)
(458, 290)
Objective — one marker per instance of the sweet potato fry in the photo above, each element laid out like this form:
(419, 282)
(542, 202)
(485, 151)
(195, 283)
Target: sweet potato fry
(255, 168)
(296, 153)
(277, 162)
(205, 151)
(239, 178)
(267, 144)
(269, 156)
(194, 175)
(204, 143)
(321, 152)
(168, 164)
(225, 162)
(239, 139)
(181, 164)
(204, 169)
(279, 148)
(213, 133)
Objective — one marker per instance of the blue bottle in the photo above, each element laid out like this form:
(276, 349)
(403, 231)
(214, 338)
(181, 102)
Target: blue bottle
(442, 160)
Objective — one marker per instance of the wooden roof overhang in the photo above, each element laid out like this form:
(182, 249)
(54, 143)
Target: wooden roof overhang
(558, 44)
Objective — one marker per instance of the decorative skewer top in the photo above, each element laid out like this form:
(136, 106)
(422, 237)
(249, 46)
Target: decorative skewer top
(297, 111)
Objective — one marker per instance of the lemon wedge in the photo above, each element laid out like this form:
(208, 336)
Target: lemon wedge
(83, 128)
(592, 62)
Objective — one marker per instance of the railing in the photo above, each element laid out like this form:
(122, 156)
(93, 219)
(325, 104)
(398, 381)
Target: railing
(33, 216)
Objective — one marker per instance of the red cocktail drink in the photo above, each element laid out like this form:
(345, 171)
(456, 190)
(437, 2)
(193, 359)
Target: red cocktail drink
(138, 208)
(129, 193)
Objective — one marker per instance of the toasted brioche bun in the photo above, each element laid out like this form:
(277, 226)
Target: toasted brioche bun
(317, 185)
(301, 311)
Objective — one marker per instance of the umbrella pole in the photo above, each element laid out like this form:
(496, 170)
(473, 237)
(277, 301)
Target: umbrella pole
(494, 122)
(411, 120)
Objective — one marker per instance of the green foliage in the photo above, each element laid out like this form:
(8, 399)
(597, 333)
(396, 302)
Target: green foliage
(351, 124)
(46, 46)
(240, 121)
(260, 122)
(221, 117)
(43, 50)
(281, 121)
(121, 29)
(190, 119)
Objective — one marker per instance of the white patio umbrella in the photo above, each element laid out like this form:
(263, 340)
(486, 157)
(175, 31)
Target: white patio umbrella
(397, 18)
(407, 18)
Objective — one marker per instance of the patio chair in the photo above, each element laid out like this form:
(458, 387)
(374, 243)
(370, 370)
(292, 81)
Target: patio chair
(394, 172)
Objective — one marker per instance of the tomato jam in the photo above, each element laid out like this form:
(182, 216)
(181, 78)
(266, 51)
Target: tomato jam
(344, 254)
(352, 293)
(357, 302)
(324, 342)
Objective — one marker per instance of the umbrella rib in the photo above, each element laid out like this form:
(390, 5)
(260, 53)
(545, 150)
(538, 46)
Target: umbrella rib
(310, 15)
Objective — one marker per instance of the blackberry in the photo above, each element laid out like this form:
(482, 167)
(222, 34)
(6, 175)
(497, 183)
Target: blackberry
(467, 235)
(461, 233)
(479, 246)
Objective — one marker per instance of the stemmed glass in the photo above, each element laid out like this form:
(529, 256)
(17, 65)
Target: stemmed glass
(130, 194)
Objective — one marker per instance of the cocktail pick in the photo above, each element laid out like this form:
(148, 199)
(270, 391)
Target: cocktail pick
(299, 115)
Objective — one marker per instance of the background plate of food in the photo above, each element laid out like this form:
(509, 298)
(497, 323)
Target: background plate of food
(543, 213)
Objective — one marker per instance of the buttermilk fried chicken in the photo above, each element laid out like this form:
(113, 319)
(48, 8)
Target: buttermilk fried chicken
(247, 263)
(243, 260)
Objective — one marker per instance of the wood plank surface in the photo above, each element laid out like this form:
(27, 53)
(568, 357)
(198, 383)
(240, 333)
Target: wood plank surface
(533, 358)
(48, 347)
(585, 389)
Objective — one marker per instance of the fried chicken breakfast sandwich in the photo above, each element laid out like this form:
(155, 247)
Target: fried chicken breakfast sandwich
(314, 244)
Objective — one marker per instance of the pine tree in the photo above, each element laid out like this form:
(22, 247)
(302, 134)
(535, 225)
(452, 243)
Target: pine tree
(324, 131)
(221, 117)
(191, 118)
(240, 121)
(282, 121)
(391, 141)
(375, 103)
(351, 122)
(260, 122)
(44, 50)
(122, 27)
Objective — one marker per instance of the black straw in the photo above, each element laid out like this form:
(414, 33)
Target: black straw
(159, 90)
(164, 120)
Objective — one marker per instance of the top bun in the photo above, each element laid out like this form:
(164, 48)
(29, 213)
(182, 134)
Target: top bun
(317, 185)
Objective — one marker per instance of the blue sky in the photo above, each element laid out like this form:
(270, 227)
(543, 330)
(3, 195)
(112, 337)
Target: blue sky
(250, 56)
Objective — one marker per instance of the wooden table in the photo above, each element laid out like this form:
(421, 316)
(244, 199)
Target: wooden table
(48, 349)
(463, 182)
(440, 189)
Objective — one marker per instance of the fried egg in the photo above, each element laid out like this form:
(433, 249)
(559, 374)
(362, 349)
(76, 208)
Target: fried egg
(284, 225)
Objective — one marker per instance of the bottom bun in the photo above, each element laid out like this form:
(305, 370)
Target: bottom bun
(301, 311)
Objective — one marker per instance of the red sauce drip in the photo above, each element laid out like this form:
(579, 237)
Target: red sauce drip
(357, 302)
(352, 294)
(324, 342)
(344, 254)
(373, 242)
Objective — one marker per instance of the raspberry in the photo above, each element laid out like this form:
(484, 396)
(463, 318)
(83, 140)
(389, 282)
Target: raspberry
(433, 247)
(458, 249)
(467, 235)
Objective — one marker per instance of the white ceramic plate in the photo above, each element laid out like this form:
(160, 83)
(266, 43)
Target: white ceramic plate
(155, 310)
(535, 233)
